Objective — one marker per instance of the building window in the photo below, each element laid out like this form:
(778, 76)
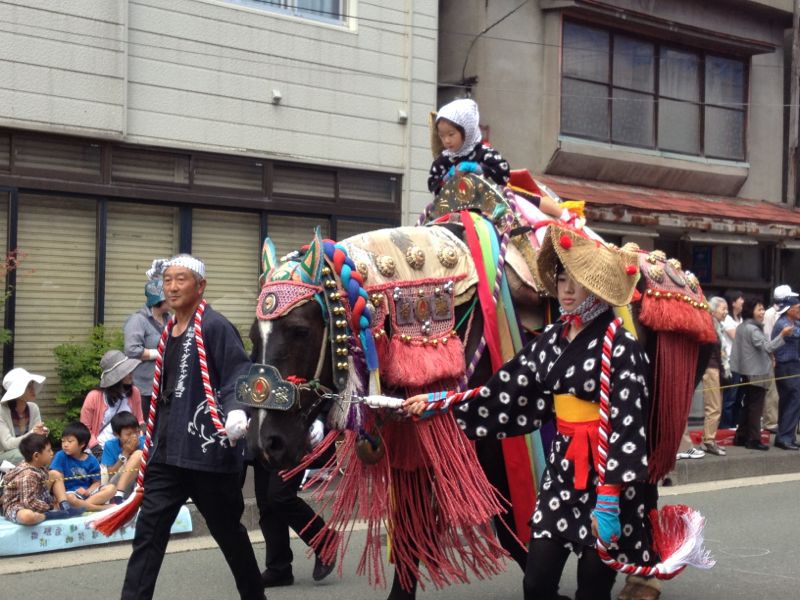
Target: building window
(332, 11)
(625, 90)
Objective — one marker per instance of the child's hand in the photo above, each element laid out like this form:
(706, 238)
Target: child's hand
(469, 167)
(82, 491)
(130, 445)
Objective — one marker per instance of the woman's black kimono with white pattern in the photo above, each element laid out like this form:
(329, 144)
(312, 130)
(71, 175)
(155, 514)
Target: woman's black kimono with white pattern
(519, 399)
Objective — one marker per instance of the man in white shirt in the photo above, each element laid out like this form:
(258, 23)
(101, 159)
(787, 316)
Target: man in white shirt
(770, 414)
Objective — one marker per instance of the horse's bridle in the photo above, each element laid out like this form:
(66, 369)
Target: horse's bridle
(264, 388)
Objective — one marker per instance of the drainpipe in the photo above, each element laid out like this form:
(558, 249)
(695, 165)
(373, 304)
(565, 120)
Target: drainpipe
(406, 210)
(125, 58)
(794, 100)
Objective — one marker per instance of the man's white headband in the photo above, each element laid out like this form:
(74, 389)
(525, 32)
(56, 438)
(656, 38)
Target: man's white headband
(182, 260)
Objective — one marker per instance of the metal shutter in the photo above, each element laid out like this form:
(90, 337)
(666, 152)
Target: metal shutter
(290, 232)
(136, 234)
(55, 285)
(228, 244)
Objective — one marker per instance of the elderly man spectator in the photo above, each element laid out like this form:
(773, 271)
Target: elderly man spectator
(770, 415)
(787, 373)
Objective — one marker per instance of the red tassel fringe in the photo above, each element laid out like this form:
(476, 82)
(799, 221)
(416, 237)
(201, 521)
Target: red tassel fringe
(674, 369)
(115, 518)
(414, 365)
(675, 315)
(430, 491)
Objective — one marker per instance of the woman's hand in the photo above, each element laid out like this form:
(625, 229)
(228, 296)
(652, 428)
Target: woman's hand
(40, 429)
(416, 405)
(786, 331)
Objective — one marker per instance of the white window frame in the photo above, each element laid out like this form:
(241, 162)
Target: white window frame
(289, 7)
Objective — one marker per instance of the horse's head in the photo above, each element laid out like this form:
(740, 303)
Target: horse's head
(289, 333)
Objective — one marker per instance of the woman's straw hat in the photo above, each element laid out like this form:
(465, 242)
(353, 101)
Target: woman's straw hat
(16, 382)
(115, 367)
(610, 273)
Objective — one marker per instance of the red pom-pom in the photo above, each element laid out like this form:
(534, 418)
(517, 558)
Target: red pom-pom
(631, 269)
(565, 241)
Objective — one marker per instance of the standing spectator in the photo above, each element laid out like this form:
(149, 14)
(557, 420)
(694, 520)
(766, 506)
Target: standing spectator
(142, 331)
(19, 414)
(787, 373)
(731, 398)
(116, 394)
(770, 416)
(191, 455)
(712, 396)
(751, 360)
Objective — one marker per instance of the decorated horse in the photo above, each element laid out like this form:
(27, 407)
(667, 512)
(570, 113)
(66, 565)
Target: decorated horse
(397, 311)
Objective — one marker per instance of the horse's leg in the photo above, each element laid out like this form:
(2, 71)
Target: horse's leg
(398, 592)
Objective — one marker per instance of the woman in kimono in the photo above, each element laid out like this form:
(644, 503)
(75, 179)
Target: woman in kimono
(558, 377)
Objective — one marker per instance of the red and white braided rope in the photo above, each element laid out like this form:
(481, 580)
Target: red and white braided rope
(450, 399)
(159, 363)
(660, 570)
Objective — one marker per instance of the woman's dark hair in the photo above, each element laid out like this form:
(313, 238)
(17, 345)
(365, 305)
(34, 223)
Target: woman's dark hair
(31, 444)
(749, 306)
(732, 296)
(456, 125)
(115, 393)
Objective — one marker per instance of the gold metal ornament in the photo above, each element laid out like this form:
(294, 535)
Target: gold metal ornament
(415, 257)
(448, 256)
(386, 266)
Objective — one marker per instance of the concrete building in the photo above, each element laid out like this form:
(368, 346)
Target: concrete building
(667, 117)
(134, 129)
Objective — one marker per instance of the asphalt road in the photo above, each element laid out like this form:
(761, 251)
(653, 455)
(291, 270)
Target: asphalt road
(752, 531)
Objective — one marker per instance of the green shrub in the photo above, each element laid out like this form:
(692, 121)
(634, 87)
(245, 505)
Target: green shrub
(78, 367)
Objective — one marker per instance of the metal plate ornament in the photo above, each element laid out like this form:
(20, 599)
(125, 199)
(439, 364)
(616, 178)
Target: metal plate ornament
(263, 387)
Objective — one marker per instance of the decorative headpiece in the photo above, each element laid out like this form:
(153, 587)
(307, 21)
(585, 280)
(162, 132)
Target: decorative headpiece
(610, 273)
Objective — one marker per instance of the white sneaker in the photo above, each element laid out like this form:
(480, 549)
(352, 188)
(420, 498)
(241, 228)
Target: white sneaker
(691, 453)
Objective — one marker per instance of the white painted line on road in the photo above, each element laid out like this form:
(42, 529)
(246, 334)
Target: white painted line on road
(726, 484)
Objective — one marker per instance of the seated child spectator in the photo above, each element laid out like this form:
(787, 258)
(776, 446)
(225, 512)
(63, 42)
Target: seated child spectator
(121, 458)
(74, 471)
(457, 125)
(27, 499)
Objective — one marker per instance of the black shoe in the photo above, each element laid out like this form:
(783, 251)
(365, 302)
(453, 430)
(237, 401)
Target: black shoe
(739, 442)
(276, 579)
(321, 570)
(756, 446)
(784, 446)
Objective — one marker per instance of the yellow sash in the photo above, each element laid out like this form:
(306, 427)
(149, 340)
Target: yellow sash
(574, 410)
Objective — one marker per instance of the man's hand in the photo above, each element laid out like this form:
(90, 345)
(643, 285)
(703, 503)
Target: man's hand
(236, 425)
(316, 433)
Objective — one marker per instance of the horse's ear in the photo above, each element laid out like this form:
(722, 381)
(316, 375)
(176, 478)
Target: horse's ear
(312, 260)
(269, 258)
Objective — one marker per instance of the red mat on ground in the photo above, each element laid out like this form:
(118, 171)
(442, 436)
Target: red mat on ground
(724, 436)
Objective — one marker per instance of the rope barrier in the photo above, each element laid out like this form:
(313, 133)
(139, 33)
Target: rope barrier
(735, 385)
(88, 475)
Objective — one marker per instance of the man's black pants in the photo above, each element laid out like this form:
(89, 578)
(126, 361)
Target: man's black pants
(218, 497)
